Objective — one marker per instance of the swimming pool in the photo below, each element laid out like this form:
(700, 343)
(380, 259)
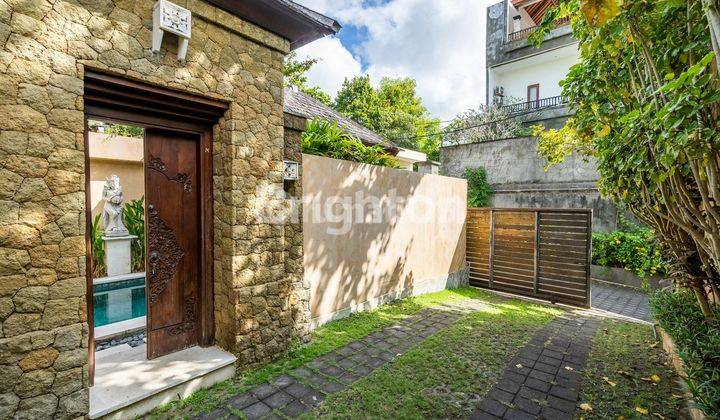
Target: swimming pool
(116, 301)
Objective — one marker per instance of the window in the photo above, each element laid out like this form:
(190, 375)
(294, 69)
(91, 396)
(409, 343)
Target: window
(533, 93)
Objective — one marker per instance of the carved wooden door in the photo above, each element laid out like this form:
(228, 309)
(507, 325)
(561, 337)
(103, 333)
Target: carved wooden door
(173, 241)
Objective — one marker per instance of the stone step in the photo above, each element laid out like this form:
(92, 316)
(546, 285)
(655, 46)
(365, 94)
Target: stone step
(128, 385)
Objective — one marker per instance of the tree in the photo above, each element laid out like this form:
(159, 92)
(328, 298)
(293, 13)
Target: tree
(393, 110)
(647, 100)
(295, 71)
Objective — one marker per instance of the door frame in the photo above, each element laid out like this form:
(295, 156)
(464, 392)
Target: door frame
(120, 100)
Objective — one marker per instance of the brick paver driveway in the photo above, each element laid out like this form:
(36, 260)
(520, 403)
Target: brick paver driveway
(620, 300)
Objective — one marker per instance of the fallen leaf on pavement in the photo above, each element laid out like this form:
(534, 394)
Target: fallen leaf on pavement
(641, 410)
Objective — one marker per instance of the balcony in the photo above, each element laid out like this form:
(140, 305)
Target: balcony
(522, 107)
(525, 33)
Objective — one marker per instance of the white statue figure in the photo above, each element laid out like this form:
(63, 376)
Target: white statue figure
(113, 210)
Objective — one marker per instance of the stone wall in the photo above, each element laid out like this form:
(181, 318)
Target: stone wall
(519, 179)
(45, 47)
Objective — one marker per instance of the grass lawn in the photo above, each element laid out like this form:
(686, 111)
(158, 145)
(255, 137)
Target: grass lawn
(447, 374)
(627, 375)
(325, 339)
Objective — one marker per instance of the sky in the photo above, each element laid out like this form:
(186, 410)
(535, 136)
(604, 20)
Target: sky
(439, 43)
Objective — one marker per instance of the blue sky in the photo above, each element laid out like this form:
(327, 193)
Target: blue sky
(439, 43)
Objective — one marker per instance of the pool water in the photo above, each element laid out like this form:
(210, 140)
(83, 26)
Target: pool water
(118, 301)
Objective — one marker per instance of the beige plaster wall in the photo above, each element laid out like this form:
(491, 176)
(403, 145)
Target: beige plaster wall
(115, 155)
(406, 253)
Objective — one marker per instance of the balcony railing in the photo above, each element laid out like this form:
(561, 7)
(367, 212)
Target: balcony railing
(524, 33)
(535, 105)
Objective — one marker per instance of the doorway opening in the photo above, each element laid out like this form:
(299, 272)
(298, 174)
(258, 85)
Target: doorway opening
(149, 245)
(117, 235)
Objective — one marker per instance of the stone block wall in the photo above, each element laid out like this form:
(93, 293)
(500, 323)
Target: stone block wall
(518, 176)
(45, 47)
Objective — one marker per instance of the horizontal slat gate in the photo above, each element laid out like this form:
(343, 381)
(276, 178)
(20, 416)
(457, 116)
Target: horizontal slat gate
(540, 253)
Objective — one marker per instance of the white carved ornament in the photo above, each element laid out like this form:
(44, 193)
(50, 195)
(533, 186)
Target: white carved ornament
(169, 17)
(291, 171)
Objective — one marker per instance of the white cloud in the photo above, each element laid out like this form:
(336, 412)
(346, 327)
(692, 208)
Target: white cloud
(439, 43)
(336, 64)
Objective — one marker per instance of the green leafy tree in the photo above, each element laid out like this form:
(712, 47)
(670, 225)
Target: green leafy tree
(295, 71)
(325, 138)
(647, 99)
(393, 110)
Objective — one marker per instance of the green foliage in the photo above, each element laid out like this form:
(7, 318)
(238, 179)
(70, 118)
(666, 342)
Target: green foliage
(479, 190)
(638, 252)
(134, 217)
(98, 248)
(325, 138)
(698, 344)
(647, 98)
(393, 110)
(294, 71)
(124, 130)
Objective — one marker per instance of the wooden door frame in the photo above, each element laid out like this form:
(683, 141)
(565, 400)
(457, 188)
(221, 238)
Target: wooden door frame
(130, 111)
(534, 85)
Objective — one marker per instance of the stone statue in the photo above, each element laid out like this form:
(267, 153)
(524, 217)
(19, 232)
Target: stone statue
(113, 210)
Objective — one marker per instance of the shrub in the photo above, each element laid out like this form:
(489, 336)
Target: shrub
(324, 138)
(636, 251)
(697, 340)
(479, 190)
(98, 248)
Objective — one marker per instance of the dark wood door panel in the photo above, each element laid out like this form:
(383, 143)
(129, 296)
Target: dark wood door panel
(173, 244)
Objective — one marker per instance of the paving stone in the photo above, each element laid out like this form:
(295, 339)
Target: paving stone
(508, 385)
(349, 378)
(528, 406)
(362, 370)
(482, 415)
(264, 391)
(295, 409)
(283, 380)
(318, 364)
(330, 387)
(345, 351)
(549, 413)
(313, 399)
(301, 372)
(513, 414)
(347, 363)
(532, 394)
(493, 407)
(332, 371)
(561, 404)
(542, 376)
(299, 390)
(243, 400)
(564, 393)
(501, 395)
(550, 361)
(316, 381)
(376, 362)
(278, 400)
(217, 414)
(362, 357)
(545, 368)
(256, 411)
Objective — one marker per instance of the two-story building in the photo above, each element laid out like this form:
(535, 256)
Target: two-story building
(520, 76)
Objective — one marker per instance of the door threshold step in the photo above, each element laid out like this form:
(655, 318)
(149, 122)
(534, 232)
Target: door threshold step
(127, 384)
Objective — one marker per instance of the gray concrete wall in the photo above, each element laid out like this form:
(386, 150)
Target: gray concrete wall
(519, 179)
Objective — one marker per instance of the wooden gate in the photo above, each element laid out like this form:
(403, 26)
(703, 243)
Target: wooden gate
(543, 253)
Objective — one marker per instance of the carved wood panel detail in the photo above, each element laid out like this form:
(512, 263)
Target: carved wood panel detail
(188, 323)
(165, 254)
(183, 179)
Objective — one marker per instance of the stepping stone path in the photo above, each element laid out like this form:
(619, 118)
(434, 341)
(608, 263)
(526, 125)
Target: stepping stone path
(620, 300)
(306, 387)
(543, 380)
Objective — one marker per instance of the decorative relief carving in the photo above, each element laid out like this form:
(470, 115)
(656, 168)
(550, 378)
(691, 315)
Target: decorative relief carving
(165, 254)
(188, 323)
(158, 165)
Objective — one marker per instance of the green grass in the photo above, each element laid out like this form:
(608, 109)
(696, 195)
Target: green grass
(625, 353)
(448, 373)
(325, 339)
